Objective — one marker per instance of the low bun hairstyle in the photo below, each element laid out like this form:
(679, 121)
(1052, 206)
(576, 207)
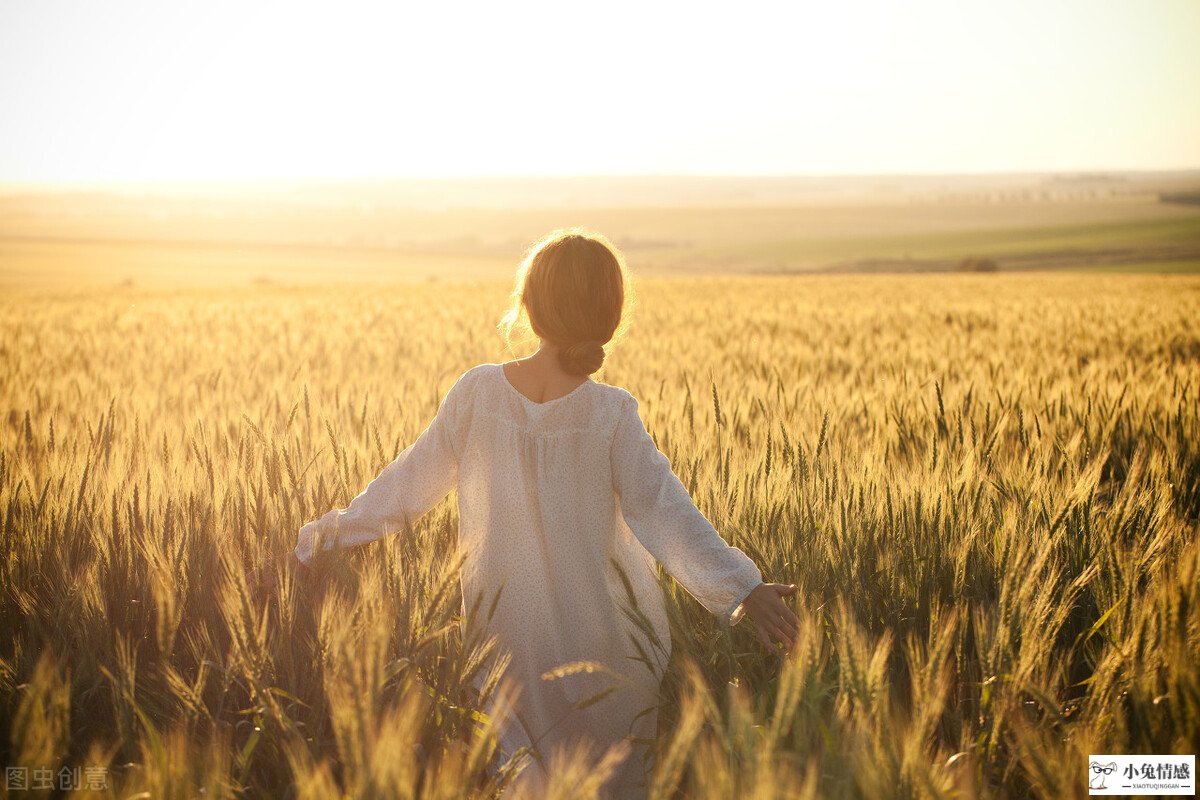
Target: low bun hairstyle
(582, 358)
(572, 289)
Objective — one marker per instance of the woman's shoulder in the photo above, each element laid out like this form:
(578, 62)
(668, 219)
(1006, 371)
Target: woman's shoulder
(466, 385)
(475, 372)
(620, 407)
(619, 396)
(594, 405)
(615, 395)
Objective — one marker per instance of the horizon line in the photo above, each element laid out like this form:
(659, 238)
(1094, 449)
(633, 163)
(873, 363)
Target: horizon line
(7, 184)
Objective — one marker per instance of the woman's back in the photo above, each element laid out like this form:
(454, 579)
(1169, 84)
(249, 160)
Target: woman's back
(538, 524)
(535, 485)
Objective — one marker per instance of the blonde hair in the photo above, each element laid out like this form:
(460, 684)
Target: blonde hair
(573, 290)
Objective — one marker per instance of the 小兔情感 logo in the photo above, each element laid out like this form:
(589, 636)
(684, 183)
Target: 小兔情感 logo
(1142, 774)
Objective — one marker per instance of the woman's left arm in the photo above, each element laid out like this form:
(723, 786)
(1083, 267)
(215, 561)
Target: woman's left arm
(661, 514)
(417, 480)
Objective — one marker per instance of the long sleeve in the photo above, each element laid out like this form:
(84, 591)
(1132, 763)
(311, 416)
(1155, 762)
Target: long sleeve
(417, 480)
(661, 514)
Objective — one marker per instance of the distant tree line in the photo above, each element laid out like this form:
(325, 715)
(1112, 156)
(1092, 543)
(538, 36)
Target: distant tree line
(977, 264)
(1190, 198)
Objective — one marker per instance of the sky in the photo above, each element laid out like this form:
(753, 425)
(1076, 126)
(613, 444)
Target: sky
(113, 90)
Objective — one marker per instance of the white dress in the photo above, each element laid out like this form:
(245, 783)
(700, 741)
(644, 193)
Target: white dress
(550, 495)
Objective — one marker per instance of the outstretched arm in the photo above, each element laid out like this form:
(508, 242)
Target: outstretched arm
(661, 514)
(417, 480)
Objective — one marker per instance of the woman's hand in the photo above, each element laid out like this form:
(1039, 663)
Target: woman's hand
(265, 580)
(774, 620)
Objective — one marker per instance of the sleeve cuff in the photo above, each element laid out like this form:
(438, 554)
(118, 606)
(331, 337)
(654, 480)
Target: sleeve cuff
(304, 544)
(734, 614)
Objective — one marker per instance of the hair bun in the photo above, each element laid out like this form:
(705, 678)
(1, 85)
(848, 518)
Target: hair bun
(582, 358)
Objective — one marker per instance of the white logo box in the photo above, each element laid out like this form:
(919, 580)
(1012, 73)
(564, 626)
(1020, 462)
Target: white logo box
(1141, 775)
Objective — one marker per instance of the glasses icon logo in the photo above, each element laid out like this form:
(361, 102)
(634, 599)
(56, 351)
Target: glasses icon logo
(1099, 772)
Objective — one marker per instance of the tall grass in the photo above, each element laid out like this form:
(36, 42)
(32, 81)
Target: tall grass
(986, 487)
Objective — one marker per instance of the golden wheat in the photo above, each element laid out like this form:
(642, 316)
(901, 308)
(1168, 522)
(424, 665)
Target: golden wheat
(986, 487)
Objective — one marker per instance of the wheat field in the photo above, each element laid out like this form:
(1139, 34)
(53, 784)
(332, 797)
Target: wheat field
(987, 488)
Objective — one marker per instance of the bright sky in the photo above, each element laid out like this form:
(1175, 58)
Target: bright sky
(96, 90)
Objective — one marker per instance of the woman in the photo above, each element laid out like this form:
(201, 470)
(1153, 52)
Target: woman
(561, 489)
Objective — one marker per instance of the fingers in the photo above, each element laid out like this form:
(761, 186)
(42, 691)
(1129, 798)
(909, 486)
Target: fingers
(771, 632)
(762, 637)
(781, 614)
(774, 620)
(785, 634)
(788, 617)
(297, 566)
(261, 580)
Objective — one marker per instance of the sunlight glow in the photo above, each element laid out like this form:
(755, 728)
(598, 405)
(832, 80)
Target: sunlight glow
(125, 90)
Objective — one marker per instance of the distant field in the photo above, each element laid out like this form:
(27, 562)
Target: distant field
(1174, 267)
(365, 233)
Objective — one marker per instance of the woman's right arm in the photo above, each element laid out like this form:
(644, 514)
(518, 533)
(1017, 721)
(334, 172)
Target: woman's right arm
(413, 483)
